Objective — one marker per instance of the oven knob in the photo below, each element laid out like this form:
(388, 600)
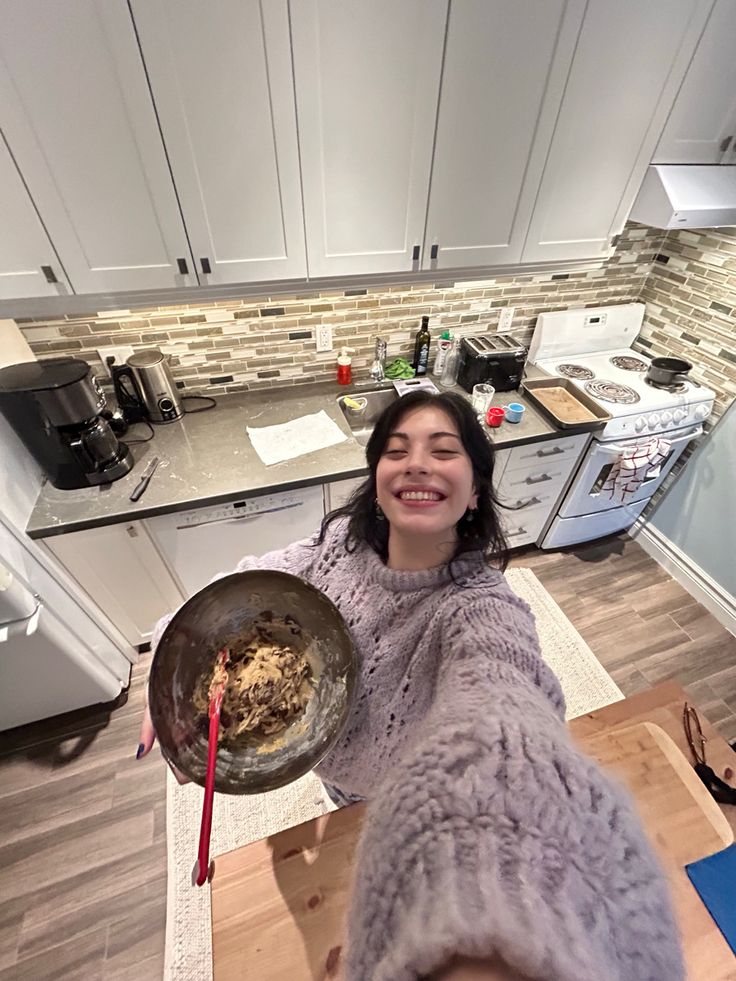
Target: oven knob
(702, 411)
(680, 415)
(666, 418)
(640, 424)
(653, 420)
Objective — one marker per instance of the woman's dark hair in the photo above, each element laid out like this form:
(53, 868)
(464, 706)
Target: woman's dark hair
(479, 531)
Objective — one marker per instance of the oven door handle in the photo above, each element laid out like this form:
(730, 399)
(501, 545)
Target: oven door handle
(613, 449)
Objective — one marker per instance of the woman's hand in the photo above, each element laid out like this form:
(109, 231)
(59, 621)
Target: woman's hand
(146, 740)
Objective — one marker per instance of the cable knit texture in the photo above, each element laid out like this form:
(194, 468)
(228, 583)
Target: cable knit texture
(488, 833)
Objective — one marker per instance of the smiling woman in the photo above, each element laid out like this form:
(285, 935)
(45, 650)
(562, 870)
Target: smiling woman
(491, 847)
(429, 496)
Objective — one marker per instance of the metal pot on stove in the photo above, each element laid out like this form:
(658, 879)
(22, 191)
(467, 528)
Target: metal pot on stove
(664, 372)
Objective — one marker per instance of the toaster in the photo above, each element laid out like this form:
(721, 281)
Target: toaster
(497, 359)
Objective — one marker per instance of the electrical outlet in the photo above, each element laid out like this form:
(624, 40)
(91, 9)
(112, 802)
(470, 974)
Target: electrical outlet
(121, 355)
(324, 338)
(506, 318)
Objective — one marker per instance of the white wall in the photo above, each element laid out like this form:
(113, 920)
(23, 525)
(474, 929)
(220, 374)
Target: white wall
(698, 513)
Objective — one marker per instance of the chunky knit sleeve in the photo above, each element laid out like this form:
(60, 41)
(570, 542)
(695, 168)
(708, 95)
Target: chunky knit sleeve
(494, 837)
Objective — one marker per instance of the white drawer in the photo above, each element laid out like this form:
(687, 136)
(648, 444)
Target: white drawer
(523, 527)
(543, 479)
(557, 451)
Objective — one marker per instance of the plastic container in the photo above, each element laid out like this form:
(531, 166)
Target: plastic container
(345, 366)
(444, 345)
(451, 365)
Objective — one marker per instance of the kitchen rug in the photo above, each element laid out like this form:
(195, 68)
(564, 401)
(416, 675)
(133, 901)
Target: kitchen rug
(239, 820)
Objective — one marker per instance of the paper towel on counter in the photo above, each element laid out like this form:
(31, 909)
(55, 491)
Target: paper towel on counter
(274, 444)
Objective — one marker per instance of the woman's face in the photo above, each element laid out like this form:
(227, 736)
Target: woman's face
(424, 479)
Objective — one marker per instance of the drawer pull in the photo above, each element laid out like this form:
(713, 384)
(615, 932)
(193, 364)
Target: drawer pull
(538, 480)
(518, 531)
(520, 505)
(553, 452)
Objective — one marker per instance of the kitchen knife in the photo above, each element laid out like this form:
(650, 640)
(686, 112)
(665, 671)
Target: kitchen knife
(145, 479)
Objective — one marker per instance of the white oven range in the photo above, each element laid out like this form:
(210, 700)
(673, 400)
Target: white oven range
(592, 347)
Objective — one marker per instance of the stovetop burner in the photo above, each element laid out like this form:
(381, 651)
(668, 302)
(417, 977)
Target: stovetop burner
(676, 389)
(609, 391)
(629, 363)
(575, 371)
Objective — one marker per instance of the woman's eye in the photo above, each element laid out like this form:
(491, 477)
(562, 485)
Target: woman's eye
(445, 452)
(394, 453)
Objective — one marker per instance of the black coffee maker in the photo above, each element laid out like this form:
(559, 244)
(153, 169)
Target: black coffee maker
(55, 407)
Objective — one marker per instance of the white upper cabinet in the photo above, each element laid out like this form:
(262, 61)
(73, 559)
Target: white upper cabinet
(77, 114)
(629, 62)
(28, 264)
(701, 128)
(367, 83)
(501, 57)
(223, 87)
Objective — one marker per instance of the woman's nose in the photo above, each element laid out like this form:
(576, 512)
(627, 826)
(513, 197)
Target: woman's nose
(417, 462)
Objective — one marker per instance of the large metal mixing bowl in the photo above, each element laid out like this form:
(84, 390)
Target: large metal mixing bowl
(186, 654)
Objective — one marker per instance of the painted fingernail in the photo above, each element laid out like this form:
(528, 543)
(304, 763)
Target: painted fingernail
(141, 750)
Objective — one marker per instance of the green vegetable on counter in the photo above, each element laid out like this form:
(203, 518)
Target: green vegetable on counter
(399, 368)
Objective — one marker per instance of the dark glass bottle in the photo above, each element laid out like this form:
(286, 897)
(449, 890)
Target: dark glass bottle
(421, 348)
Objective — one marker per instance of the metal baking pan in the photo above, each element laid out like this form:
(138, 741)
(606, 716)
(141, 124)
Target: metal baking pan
(601, 416)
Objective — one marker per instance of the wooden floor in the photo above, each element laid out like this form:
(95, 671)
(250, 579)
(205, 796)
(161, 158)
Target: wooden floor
(83, 824)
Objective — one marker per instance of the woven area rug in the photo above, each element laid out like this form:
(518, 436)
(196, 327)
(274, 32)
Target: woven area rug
(239, 820)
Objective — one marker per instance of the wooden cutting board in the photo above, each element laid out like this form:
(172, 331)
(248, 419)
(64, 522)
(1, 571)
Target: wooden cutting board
(278, 905)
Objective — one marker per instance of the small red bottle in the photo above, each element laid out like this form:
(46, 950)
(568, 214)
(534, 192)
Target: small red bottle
(345, 366)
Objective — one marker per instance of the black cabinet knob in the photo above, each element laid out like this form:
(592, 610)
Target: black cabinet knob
(183, 267)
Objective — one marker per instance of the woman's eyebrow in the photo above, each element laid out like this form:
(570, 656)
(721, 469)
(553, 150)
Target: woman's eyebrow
(431, 435)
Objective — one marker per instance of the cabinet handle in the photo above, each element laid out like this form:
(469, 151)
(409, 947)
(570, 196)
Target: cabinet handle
(183, 267)
(49, 274)
(415, 254)
(132, 531)
(518, 531)
(206, 269)
(433, 251)
(520, 505)
(554, 452)
(538, 480)
(726, 143)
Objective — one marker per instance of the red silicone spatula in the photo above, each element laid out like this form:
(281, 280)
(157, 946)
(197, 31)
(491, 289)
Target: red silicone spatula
(202, 870)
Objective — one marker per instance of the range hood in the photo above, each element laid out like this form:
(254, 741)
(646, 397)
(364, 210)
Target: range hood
(687, 196)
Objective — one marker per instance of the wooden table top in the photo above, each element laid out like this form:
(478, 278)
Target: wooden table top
(278, 905)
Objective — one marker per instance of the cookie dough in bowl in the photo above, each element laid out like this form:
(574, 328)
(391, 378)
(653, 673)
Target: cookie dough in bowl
(291, 676)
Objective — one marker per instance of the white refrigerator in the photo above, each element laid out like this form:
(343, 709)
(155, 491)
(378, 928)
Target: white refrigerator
(58, 651)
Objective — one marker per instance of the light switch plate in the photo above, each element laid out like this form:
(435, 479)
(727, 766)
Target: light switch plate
(506, 318)
(324, 338)
(121, 355)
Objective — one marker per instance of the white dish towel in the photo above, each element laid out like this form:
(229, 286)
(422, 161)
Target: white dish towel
(633, 465)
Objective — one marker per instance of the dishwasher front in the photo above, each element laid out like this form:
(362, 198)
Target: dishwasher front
(198, 544)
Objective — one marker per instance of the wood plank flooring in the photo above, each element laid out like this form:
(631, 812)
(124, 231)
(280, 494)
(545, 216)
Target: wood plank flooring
(83, 823)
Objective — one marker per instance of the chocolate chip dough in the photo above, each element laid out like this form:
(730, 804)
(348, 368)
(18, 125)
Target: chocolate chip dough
(269, 682)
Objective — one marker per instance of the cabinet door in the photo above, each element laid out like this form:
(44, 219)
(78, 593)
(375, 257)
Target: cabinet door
(77, 113)
(483, 180)
(27, 258)
(367, 82)
(222, 83)
(120, 568)
(629, 61)
(701, 128)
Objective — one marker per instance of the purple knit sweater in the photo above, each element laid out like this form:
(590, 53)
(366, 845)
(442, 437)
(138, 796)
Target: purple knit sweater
(488, 833)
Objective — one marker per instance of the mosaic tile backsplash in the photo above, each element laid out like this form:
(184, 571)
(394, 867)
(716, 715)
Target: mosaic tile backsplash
(687, 278)
(236, 345)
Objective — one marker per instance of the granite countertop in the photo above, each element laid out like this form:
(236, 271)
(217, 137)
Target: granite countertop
(207, 458)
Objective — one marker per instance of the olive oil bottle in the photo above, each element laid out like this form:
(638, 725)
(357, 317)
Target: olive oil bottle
(421, 348)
